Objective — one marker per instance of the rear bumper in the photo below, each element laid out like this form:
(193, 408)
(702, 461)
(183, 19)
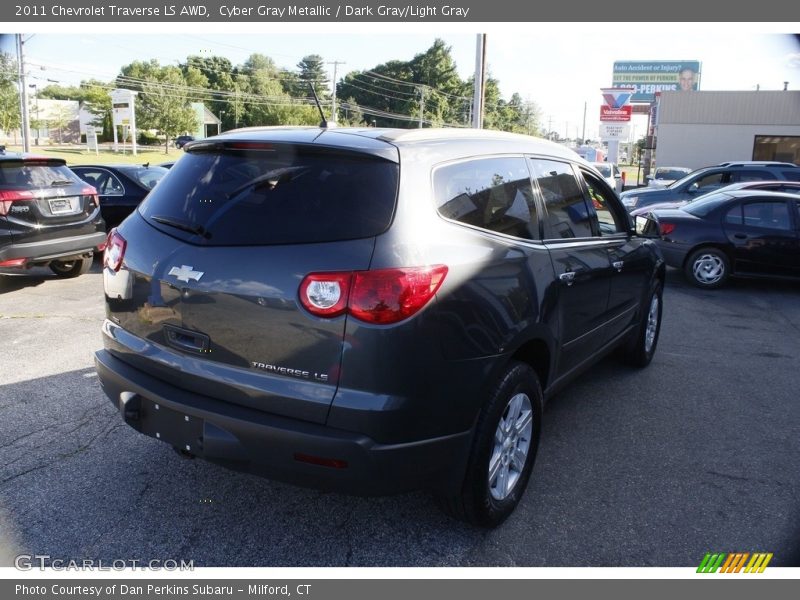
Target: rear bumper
(674, 254)
(53, 249)
(250, 440)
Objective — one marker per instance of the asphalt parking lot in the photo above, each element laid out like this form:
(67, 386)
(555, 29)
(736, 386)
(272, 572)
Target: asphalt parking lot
(698, 453)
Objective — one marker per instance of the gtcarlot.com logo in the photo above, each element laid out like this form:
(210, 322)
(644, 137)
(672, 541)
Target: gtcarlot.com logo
(734, 562)
(27, 562)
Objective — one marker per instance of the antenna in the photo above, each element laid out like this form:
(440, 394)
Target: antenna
(324, 122)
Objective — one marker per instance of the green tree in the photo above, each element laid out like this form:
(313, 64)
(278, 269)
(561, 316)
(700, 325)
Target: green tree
(59, 119)
(9, 94)
(312, 70)
(164, 108)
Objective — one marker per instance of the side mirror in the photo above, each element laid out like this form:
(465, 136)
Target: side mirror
(645, 227)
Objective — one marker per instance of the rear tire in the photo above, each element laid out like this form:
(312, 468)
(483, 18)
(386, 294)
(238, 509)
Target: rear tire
(639, 350)
(67, 269)
(503, 450)
(707, 268)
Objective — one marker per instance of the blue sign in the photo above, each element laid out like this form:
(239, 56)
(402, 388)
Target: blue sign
(647, 77)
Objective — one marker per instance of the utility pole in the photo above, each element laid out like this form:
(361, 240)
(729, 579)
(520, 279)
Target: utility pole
(335, 64)
(480, 82)
(583, 133)
(421, 90)
(23, 94)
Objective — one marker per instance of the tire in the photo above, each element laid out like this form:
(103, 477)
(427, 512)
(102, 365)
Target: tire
(707, 268)
(640, 349)
(503, 450)
(67, 269)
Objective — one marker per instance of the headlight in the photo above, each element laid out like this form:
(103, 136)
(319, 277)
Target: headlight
(630, 201)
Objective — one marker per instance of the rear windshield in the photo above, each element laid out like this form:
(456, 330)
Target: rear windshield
(704, 205)
(277, 195)
(16, 174)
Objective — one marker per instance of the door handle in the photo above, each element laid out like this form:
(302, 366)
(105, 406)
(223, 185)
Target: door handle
(568, 277)
(617, 264)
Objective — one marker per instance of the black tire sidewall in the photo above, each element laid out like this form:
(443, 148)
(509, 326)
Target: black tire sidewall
(80, 267)
(489, 511)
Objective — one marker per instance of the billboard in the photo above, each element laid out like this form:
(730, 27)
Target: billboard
(616, 104)
(647, 77)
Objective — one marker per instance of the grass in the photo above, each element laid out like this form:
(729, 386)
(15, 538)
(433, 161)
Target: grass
(78, 155)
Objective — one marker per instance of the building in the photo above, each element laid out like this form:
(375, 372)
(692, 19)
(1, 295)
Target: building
(705, 128)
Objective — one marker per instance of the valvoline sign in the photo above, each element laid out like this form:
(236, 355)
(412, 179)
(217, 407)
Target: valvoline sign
(616, 104)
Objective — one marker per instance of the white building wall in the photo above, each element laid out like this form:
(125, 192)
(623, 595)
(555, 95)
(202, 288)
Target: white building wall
(698, 129)
(694, 145)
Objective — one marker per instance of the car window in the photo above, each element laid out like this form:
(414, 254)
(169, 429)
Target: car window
(608, 222)
(148, 177)
(711, 180)
(752, 175)
(792, 174)
(767, 215)
(273, 194)
(604, 170)
(105, 182)
(17, 174)
(568, 214)
(490, 193)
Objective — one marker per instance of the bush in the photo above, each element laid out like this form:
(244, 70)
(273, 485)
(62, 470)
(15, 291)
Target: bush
(148, 139)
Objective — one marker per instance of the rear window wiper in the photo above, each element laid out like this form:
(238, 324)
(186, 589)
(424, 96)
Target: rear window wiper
(271, 178)
(183, 226)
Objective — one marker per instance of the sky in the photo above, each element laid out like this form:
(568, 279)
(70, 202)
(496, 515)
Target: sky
(559, 66)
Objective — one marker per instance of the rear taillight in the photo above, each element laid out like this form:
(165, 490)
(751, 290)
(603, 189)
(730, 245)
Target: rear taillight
(13, 262)
(8, 197)
(382, 296)
(666, 228)
(92, 194)
(114, 251)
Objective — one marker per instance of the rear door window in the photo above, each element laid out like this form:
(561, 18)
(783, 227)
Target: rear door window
(491, 193)
(273, 194)
(568, 214)
(103, 180)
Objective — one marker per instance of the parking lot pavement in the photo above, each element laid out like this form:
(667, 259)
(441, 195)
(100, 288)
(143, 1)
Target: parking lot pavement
(700, 452)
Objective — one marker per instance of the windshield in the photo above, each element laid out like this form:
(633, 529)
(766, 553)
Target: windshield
(705, 204)
(686, 178)
(275, 195)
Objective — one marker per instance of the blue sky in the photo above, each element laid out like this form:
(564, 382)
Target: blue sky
(560, 66)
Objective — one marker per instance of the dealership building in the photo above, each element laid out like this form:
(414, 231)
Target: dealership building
(700, 128)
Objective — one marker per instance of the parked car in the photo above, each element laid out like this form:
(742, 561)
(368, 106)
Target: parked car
(611, 173)
(48, 216)
(709, 179)
(791, 187)
(666, 176)
(372, 310)
(121, 187)
(727, 233)
(182, 140)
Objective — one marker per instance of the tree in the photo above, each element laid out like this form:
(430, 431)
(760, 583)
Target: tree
(164, 108)
(60, 118)
(312, 70)
(9, 94)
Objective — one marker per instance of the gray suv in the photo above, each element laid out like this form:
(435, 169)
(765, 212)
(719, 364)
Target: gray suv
(708, 179)
(371, 310)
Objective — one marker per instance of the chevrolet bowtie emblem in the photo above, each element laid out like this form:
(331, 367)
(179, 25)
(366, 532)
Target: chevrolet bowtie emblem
(185, 273)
